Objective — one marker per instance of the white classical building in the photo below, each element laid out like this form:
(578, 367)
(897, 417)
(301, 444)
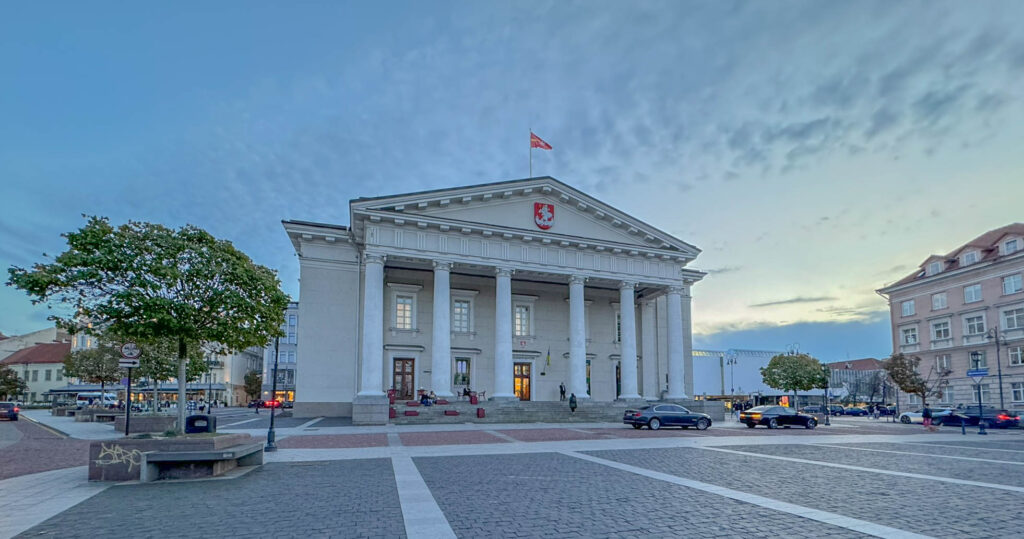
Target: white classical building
(509, 288)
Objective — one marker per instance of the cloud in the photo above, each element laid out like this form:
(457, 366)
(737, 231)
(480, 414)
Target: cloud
(794, 300)
(724, 269)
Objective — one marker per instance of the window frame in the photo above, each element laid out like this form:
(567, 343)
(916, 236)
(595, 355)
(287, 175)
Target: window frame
(468, 296)
(975, 286)
(1018, 318)
(1006, 246)
(1012, 280)
(907, 331)
(967, 324)
(944, 301)
(981, 364)
(404, 291)
(934, 268)
(528, 302)
(969, 258)
(948, 329)
(904, 308)
(1015, 355)
(1017, 392)
(943, 362)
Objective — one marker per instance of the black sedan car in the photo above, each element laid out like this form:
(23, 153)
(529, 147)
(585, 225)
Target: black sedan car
(855, 411)
(774, 417)
(666, 415)
(9, 410)
(991, 417)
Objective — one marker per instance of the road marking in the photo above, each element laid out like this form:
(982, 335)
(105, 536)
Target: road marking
(241, 422)
(505, 437)
(46, 427)
(872, 470)
(824, 517)
(394, 440)
(963, 446)
(422, 516)
(919, 454)
(309, 423)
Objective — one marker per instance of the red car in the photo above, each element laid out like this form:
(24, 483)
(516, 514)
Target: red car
(271, 404)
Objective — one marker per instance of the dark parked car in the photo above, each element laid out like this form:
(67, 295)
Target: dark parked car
(991, 417)
(774, 417)
(665, 415)
(855, 411)
(812, 410)
(9, 410)
(835, 409)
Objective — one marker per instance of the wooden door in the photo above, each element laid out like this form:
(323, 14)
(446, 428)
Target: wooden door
(402, 379)
(522, 381)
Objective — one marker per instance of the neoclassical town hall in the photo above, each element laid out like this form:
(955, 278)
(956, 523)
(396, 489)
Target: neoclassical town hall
(508, 289)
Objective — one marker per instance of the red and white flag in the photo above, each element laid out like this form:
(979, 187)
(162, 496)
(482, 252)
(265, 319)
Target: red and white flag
(537, 142)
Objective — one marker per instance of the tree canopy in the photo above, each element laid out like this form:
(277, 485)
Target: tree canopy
(10, 384)
(903, 371)
(96, 365)
(145, 281)
(794, 372)
(253, 384)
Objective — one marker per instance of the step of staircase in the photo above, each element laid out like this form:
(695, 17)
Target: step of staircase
(529, 412)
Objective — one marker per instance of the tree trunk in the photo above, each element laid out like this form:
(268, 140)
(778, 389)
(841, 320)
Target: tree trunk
(182, 380)
(103, 394)
(156, 395)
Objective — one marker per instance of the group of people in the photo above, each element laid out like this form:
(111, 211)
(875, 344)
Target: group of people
(428, 399)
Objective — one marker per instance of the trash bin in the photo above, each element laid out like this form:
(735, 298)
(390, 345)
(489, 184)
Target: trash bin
(473, 399)
(479, 412)
(200, 423)
(392, 413)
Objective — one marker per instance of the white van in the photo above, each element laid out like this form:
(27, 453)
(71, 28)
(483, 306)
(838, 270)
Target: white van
(85, 398)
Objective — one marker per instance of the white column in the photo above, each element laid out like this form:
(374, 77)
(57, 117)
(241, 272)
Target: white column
(441, 344)
(627, 319)
(372, 379)
(687, 341)
(675, 344)
(503, 386)
(577, 339)
(649, 349)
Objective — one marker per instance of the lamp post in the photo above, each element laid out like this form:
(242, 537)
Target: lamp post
(731, 362)
(271, 445)
(976, 364)
(209, 381)
(993, 335)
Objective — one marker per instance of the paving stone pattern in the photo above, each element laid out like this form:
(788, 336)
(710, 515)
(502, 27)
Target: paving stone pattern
(449, 438)
(38, 450)
(333, 441)
(901, 502)
(553, 495)
(986, 472)
(314, 499)
(976, 451)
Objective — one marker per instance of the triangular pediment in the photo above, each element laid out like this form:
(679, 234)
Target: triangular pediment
(513, 206)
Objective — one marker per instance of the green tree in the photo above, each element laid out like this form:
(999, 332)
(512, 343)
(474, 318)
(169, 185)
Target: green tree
(10, 384)
(253, 384)
(794, 372)
(903, 371)
(146, 281)
(159, 363)
(98, 365)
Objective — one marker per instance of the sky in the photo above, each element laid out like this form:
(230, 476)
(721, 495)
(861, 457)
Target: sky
(815, 151)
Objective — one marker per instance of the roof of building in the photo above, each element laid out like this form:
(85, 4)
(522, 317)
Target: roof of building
(987, 244)
(863, 364)
(54, 352)
(2, 336)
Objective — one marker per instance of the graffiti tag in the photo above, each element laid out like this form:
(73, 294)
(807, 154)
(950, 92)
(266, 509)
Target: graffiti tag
(115, 454)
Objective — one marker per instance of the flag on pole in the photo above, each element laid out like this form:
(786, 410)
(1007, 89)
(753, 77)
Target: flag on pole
(549, 356)
(537, 142)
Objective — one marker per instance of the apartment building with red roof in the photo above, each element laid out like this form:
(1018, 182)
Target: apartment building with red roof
(42, 368)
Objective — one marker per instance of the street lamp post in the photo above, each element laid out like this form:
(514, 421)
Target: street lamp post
(993, 334)
(731, 362)
(271, 445)
(209, 381)
(976, 364)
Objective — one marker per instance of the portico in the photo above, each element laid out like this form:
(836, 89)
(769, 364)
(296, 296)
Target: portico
(466, 288)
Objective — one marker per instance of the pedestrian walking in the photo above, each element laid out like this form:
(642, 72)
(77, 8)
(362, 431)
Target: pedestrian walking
(926, 418)
(561, 391)
(572, 403)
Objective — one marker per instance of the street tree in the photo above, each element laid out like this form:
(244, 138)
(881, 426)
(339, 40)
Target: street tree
(146, 281)
(97, 365)
(794, 372)
(11, 384)
(253, 384)
(159, 363)
(904, 372)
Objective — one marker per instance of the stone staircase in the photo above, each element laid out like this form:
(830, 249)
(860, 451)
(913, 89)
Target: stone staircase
(533, 412)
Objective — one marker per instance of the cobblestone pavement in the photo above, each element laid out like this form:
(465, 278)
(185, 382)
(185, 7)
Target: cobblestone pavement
(329, 440)
(36, 449)
(552, 495)
(899, 502)
(316, 499)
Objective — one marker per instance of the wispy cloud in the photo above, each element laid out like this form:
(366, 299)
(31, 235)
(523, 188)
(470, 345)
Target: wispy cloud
(791, 301)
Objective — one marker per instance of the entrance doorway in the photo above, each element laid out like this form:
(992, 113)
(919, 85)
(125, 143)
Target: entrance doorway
(522, 381)
(402, 378)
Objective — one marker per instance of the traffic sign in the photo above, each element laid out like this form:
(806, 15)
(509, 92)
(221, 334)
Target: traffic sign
(977, 375)
(130, 350)
(128, 363)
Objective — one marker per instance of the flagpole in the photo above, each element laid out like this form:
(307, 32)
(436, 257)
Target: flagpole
(531, 152)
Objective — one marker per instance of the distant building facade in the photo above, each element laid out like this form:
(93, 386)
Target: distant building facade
(42, 367)
(288, 352)
(965, 310)
(10, 344)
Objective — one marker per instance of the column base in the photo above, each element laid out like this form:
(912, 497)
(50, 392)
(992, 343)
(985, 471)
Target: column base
(370, 410)
(679, 397)
(630, 399)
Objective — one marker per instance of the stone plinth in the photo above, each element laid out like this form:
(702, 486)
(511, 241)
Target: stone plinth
(147, 423)
(121, 460)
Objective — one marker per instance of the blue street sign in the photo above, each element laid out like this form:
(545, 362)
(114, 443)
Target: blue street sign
(977, 372)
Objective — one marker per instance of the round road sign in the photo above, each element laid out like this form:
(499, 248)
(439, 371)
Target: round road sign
(130, 350)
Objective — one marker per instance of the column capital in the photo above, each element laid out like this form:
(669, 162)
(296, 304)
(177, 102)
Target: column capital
(577, 279)
(503, 272)
(627, 285)
(442, 265)
(679, 290)
(374, 258)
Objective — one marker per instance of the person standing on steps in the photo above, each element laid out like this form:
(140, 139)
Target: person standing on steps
(572, 403)
(561, 391)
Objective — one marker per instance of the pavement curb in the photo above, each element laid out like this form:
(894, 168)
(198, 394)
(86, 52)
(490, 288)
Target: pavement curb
(58, 432)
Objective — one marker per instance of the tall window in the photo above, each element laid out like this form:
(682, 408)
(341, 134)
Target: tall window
(60, 374)
(909, 335)
(940, 330)
(1016, 354)
(984, 392)
(972, 293)
(942, 362)
(939, 301)
(292, 319)
(974, 325)
(403, 312)
(460, 315)
(293, 338)
(1011, 284)
(947, 395)
(35, 376)
(462, 372)
(1013, 318)
(908, 308)
(521, 322)
(978, 359)
(1017, 391)
(970, 258)
(47, 375)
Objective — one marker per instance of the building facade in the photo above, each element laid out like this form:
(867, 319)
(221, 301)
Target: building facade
(965, 310)
(508, 289)
(42, 367)
(288, 353)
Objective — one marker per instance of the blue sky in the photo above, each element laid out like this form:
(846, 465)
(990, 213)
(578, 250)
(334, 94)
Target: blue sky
(814, 150)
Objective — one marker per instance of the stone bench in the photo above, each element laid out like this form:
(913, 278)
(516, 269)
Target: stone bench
(196, 464)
